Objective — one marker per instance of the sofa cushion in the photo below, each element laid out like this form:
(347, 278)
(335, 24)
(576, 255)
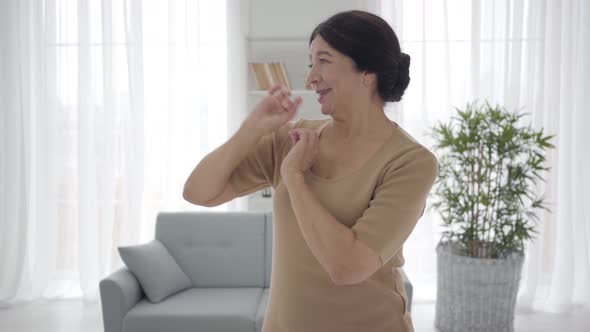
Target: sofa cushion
(216, 249)
(198, 309)
(155, 269)
(262, 309)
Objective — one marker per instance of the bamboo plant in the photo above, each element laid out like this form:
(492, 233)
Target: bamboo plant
(488, 168)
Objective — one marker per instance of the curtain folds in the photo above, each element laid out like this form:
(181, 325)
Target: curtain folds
(105, 108)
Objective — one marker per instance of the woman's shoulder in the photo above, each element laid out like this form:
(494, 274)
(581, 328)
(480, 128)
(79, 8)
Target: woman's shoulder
(407, 150)
(311, 123)
(281, 135)
(283, 131)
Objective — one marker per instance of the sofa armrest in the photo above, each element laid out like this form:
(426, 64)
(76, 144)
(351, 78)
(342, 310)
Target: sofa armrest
(119, 292)
(408, 288)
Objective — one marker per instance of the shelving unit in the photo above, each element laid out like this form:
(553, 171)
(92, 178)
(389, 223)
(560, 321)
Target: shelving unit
(293, 52)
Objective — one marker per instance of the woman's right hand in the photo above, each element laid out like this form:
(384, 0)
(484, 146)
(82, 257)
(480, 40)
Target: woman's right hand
(274, 110)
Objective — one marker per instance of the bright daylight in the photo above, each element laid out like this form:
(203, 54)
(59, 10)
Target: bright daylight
(294, 166)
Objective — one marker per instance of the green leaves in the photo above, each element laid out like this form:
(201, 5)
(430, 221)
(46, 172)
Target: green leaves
(488, 171)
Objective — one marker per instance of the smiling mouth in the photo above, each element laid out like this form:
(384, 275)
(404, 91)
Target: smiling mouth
(322, 94)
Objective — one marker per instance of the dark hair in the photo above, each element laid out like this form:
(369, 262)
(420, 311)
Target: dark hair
(373, 46)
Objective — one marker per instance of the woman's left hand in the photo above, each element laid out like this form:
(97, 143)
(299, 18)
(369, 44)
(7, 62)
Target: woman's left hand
(302, 155)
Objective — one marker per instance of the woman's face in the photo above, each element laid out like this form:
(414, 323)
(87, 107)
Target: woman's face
(333, 76)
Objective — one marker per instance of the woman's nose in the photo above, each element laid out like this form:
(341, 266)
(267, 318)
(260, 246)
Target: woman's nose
(312, 78)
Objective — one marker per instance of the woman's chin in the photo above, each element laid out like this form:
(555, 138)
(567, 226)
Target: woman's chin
(326, 109)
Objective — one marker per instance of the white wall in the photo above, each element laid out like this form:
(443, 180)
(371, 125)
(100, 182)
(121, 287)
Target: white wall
(292, 19)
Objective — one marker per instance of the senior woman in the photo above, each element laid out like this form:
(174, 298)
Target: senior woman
(348, 189)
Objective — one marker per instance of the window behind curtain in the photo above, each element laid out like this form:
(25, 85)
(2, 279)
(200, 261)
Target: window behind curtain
(181, 69)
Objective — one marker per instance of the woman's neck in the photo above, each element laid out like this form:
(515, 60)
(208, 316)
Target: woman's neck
(360, 122)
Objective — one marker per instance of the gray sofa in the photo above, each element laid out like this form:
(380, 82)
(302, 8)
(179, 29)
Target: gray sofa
(227, 256)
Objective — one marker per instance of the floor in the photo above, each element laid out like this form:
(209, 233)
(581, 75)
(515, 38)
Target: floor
(73, 316)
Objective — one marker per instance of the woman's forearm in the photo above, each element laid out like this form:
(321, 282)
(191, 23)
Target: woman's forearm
(211, 175)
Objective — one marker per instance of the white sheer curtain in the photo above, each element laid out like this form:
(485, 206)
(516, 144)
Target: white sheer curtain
(519, 54)
(105, 108)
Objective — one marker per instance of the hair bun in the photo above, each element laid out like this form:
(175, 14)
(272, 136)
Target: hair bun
(393, 82)
(403, 63)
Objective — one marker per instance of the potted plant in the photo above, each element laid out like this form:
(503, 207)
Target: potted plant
(485, 195)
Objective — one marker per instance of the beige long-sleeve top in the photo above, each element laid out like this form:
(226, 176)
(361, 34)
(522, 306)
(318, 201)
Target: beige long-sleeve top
(380, 202)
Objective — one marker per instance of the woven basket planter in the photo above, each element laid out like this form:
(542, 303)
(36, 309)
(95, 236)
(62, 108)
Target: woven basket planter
(475, 294)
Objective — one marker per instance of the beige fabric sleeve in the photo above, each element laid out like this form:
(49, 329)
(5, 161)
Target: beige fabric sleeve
(397, 203)
(261, 167)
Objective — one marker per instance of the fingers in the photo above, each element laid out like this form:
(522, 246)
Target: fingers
(309, 139)
(294, 135)
(274, 89)
(282, 95)
(295, 105)
(312, 144)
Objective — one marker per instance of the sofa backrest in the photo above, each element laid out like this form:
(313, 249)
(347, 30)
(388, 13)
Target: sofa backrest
(268, 249)
(219, 249)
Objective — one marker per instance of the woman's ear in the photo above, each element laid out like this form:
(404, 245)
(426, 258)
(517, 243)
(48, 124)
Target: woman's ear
(369, 79)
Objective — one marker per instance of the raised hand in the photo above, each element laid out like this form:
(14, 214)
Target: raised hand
(273, 111)
(302, 155)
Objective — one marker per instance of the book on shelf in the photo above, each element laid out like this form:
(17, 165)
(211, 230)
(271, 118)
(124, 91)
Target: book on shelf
(267, 74)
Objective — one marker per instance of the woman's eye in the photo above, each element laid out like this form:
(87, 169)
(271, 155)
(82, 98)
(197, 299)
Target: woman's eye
(321, 61)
